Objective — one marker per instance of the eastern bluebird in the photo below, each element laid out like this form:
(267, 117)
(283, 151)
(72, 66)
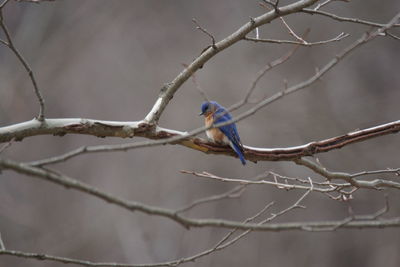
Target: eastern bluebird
(215, 113)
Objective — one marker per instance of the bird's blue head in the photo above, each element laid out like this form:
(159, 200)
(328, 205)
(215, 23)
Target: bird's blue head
(208, 107)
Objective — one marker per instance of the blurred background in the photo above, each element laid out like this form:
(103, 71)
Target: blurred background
(108, 61)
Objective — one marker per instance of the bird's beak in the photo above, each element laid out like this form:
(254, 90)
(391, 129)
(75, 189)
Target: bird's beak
(201, 113)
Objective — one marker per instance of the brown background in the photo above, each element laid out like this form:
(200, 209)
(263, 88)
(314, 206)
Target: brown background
(108, 60)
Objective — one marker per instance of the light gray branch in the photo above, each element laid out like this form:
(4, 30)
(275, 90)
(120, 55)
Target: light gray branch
(275, 41)
(251, 153)
(60, 127)
(2, 246)
(374, 184)
(346, 19)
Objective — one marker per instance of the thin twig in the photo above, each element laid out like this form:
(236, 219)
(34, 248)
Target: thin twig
(198, 87)
(259, 182)
(3, 5)
(261, 73)
(345, 19)
(337, 38)
(2, 246)
(5, 146)
(35, 1)
(236, 192)
(273, 5)
(393, 36)
(322, 4)
(291, 32)
(352, 218)
(28, 69)
(206, 32)
(389, 170)
(374, 184)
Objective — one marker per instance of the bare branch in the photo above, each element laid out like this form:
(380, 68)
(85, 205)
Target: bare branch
(325, 187)
(392, 35)
(223, 243)
(273, 5)
(337, 38)
(207, 33)
(346, 19)
(35, 1)
(389, 170)
(61, 127)
(42, 257)
(259, 182)
(322, 4)
(5, 146)
(261, 73)
(28, 69)
(233, 193)
(291, 32)
(197, 85)
(2, 246)
(374, 184)
(351, 218)
(3, 5)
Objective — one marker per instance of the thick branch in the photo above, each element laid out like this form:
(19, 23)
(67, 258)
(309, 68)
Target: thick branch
(61, 127)
(138, 128)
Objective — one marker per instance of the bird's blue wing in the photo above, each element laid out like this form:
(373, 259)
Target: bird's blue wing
(230, 131)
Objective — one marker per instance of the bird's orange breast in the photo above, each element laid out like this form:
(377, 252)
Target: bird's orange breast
(214, 134)
(208, 119)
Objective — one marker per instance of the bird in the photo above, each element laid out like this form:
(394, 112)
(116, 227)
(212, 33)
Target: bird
(214, 113)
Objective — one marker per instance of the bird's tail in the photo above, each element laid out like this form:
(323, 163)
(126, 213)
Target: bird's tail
(239, 151)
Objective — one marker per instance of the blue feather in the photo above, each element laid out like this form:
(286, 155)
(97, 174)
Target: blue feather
(230, 131)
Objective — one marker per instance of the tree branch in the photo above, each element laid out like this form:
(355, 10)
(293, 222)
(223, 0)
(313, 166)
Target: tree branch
(2, 246)
(274, 41)
(99, 128)
(374, 184)
(345, 19)
(251, 153)
(9, 43)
